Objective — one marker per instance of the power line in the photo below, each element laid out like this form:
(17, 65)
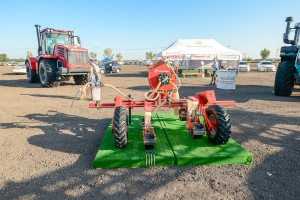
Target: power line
(115, 49)
(18, 49)
(141, 49)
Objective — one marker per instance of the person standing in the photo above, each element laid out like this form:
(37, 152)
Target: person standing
(215, 67)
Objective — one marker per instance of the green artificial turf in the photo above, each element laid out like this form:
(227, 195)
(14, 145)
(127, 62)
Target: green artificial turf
(189, 151)
(173, 147)
(133, 155)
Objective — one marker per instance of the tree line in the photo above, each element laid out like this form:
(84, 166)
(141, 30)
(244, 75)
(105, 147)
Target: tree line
(107, 54)
(4, 58)
(265, 53)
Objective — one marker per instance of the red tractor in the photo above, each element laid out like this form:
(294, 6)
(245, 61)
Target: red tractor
(60, 56)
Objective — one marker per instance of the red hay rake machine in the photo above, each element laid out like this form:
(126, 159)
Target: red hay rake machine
(202, 113)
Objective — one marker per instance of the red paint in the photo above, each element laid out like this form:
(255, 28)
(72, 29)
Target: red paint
(158, 68)
(32, 62)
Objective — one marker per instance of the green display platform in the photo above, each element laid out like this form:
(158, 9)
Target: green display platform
(174, 147)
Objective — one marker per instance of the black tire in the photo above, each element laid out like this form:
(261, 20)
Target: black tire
(182, 115)
(120, 123)
(65, 78)
(284, 80)
(80, 79)
(32, 77)
(221, 133)
(47, 73)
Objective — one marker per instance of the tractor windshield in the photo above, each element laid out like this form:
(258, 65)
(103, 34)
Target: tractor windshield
(51, 39)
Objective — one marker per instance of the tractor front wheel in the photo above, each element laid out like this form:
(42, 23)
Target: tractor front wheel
(80, 79)
(47, 71)
(219, 119)
(120, 129)
(31, 74)
(284, 80)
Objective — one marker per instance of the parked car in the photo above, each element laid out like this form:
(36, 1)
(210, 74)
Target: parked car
(112, 67)
(266, 66)
(109, 67)
(101, 67)
(244, 66)
(19, 69)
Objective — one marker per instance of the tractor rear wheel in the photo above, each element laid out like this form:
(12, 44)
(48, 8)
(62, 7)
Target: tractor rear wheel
(47, 72)
(65, 78)
(31, 74)
(284, 80)
(120, 130)
(221, 131)
(80, 79)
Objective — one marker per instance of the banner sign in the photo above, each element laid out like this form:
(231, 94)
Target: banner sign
(226, 79)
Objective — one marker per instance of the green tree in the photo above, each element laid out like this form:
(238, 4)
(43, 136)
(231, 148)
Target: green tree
(249, 59)
(264, 53)
(147, 56)
(29, 54)
(154, 56)
(119, 57)
(93, 55)
(4, 58)
(108, 53)
(151, 56)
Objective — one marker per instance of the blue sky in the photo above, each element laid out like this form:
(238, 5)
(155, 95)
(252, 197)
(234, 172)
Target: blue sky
(136, 26)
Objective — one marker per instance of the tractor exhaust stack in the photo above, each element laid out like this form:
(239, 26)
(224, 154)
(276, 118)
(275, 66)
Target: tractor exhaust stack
(287, 31)
(38, 32)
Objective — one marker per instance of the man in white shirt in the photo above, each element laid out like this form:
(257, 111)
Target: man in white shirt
(215, 67)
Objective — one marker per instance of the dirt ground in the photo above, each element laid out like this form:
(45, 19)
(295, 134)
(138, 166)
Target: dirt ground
(47, 147)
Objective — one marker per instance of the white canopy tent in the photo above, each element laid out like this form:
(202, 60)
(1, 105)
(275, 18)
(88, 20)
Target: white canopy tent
(200, 52)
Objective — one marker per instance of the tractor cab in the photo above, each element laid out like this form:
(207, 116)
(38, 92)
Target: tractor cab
(292, 53)
(50, 37)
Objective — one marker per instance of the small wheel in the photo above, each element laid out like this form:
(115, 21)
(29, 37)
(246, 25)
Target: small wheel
(120, 130)
(118, 70)
(182, 115)
(219, 119)
(47, 72)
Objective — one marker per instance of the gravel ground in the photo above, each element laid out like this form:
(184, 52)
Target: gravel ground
(47, 147)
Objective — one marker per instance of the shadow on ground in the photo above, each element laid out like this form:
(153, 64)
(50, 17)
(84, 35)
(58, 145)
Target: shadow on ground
(78, 135)
(277, 175)
(50, 96)
(82, 136)
(20, 83)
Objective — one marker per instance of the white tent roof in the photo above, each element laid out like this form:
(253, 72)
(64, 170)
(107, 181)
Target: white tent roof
(199, 49)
